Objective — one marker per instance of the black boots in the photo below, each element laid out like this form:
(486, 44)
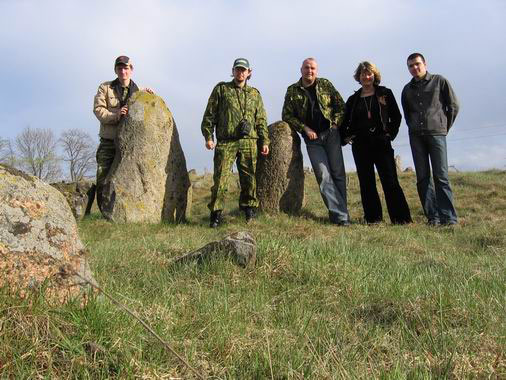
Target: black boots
(215, 219)
(250, 213)
(334, 219)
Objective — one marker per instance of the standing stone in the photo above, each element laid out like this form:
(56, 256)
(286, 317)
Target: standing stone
(39, 243)
(280, 174)
(148, 181)
(398, 163)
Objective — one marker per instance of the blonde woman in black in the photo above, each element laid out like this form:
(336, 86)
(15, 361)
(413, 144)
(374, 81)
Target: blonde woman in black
(371, 122)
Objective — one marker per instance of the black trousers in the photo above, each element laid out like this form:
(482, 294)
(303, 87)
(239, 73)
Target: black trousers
(377, 151)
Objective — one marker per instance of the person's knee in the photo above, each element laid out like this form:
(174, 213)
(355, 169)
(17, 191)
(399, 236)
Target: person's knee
(423, 174)
(322, 169)
(441, 180)
(389, 180)
(325, 177)
(440, 173)
(338, 174)
(423, 181)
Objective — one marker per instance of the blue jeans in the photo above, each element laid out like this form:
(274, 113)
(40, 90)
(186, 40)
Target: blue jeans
(328, 165)
(435, 195)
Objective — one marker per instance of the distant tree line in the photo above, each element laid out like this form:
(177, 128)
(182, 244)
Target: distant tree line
(39, 152)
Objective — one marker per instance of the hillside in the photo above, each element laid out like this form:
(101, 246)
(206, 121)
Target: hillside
(322, 302)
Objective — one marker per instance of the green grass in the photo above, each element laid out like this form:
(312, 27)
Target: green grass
(322, 302)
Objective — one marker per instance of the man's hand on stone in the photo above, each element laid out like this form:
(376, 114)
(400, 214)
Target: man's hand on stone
(265, 150)
(148, 90)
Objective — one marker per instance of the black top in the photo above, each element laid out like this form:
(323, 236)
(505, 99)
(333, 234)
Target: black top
(365, 125)
(316, 120)
(386, 117)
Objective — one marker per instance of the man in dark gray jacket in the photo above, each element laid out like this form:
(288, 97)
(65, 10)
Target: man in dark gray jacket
(430, 108)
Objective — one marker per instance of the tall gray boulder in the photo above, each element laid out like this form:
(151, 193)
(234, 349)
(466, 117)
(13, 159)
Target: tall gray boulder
(148, 181)
(39, 243)
(280, 174)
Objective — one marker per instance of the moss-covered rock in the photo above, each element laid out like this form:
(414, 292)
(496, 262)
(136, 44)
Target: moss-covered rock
(280, 175)
(148, 181)
(40, 246)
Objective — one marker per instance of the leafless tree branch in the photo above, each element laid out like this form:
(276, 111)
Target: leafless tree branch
(79, 152)
(37, 153)
(7, 154)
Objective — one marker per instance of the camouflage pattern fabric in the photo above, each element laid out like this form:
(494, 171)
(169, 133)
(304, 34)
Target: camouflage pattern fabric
(105, 157)
(125, 93)
(225, 110)
(297, 106)
(244, 151)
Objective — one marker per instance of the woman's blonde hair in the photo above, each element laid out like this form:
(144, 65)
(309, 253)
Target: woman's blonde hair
(371, 67)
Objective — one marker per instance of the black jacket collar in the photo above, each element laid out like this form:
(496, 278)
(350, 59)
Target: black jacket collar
(116, 85)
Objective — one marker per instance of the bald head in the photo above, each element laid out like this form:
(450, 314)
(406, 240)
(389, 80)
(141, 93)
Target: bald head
(310, 59)
(309, 71)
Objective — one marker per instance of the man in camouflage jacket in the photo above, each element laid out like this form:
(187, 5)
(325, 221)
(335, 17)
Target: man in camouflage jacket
(314, 108)
(235, 113)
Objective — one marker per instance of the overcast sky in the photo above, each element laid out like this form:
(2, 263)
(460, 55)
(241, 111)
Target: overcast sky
(56, 53)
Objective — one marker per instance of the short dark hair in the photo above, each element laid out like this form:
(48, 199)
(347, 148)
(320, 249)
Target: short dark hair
(414, 56)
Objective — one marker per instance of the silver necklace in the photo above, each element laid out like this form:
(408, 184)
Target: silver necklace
(368, 107)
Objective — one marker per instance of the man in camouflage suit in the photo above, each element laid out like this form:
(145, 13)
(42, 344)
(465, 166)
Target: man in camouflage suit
(235, 112)
(314, 108)
(110, 107)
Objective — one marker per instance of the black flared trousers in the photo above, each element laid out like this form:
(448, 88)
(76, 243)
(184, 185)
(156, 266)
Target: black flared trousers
(377, 151)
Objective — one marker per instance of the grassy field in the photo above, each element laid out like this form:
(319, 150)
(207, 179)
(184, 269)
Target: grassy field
(322, 302)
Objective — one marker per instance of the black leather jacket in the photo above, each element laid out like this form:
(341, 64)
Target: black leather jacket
(389, 114)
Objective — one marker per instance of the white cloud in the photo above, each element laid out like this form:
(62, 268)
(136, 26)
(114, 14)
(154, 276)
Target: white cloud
(56, 53)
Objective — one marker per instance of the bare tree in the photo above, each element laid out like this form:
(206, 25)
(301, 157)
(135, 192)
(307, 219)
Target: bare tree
(3, 144)
(79, 152)
(7, 154)
(37, 153)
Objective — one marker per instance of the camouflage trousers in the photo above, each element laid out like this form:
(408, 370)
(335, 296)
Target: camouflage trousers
(105, 157)
(244, 152)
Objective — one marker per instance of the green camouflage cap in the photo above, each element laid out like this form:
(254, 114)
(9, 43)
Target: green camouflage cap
(241, 62)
